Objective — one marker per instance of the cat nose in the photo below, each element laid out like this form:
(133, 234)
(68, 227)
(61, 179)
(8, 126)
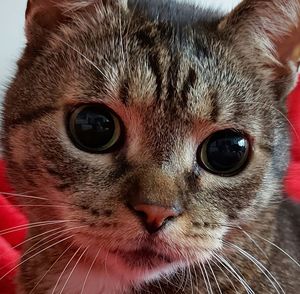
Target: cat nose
(155, 217)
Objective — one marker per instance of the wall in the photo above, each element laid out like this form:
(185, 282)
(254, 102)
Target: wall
(11, 37)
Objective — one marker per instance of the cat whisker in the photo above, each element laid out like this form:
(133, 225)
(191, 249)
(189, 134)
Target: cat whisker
(254, 242)
(13, 229)
(279, 248)
(64, 270)
(57, 235)
(237, 227)
(188, 276)
(12, 195)
(15, 195)
(182, 277)
(34, 237)
(235, 273)
(289, 122)
(214, 276)
(35, 246)
(267, 106)
(133, 11)
(73, 269)
(160, 287)
(208, 278)
(224, 273)
(191, 279)
(205, 279)
(196, 278)
(204, 274)
(12, 262)
(89, 271)
(105, 260)
(259, 265)
(31, 225)
(41, 251)
(50, 268)
(188, 271)
(85, 58)
(37, 205)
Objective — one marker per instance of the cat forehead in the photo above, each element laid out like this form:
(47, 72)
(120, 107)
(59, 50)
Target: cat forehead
(181, 13)
(154, 63)
(187, 75)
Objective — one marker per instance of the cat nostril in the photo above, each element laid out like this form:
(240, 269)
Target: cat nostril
(154, 217)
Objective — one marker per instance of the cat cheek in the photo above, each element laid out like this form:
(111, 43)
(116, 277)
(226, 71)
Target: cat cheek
(197, 229)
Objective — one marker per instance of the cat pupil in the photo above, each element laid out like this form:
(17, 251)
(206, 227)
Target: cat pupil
(94, 128)
(225, 152)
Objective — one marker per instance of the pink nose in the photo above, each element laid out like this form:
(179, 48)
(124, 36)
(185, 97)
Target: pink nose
(154, 217)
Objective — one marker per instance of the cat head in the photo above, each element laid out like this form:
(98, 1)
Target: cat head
(147, 134)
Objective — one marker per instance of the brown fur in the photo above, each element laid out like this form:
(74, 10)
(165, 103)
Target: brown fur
(173, 81)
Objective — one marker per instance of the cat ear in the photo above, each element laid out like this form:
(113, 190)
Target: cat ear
(43, 16)
(267, 31)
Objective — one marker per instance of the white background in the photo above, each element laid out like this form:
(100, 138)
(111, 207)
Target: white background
(12, 38)
(12, 13)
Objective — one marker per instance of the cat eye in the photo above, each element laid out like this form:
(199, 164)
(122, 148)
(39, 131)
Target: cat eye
(224, 153)
(94, 128)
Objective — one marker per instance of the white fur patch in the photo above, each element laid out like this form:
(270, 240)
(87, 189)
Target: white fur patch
(222, 5)
(98, 282)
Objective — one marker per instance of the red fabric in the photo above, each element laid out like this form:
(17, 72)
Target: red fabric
(11, 217)
(292, 181)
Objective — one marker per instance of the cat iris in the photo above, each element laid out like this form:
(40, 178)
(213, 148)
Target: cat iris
(224, 153)
(94, 128)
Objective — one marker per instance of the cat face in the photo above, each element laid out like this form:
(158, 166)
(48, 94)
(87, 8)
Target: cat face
(149, 138)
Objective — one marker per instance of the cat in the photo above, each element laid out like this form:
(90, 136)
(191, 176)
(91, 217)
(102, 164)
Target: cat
(147, 143)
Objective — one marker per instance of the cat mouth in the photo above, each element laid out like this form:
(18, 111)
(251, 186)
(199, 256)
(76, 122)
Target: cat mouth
(145, 257)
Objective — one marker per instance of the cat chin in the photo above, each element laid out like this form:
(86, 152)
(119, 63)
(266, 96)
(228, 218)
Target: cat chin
(139, 276)
(114, 277)
(133, 266)
(131, 269)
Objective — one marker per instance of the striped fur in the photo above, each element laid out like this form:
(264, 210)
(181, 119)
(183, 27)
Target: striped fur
(174, 74)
